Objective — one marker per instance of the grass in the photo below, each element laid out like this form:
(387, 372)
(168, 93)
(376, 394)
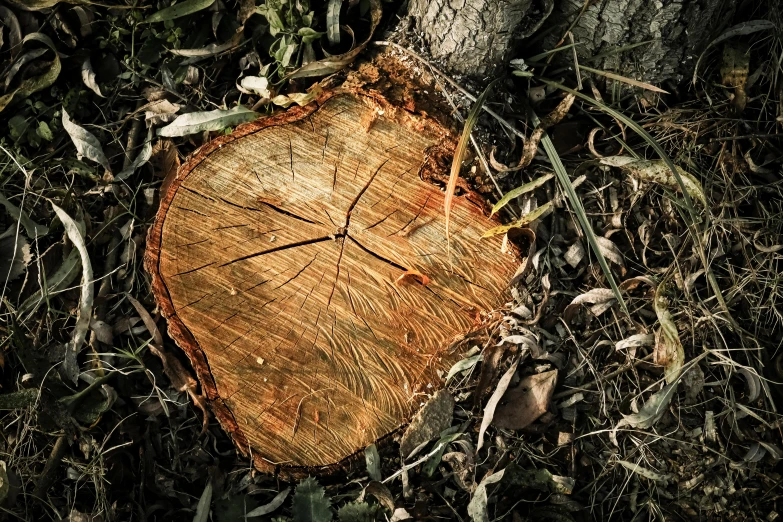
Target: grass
(123, 443)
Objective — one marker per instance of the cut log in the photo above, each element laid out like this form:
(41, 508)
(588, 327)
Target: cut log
(302, 265)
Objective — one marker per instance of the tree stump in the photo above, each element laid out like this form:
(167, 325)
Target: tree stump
(302, 265)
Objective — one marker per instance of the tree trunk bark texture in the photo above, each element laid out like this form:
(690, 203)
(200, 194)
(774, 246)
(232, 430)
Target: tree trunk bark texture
(477, 37)
(302, 264)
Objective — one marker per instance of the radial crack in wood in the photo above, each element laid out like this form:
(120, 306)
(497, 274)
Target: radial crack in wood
(278, 257)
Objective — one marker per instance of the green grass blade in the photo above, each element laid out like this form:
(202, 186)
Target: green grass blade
(579, 210)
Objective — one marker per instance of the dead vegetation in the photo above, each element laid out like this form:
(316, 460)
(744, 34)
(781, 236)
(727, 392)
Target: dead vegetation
(636, 374)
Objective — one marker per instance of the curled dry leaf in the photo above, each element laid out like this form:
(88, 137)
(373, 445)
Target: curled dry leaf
(610, 250)
(34, 84)
(88, 77)
(669, 351)
(256, 85)
(601, 298)
(636, 341)
(87, 145)
(332, 64)
(381, 494)
(752, 383)
(523, 404)
(76, 235)
(412, 277)
(180, 378)
(657, 172)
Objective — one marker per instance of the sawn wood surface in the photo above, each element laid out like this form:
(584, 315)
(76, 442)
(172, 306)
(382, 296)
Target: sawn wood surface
(279, 257)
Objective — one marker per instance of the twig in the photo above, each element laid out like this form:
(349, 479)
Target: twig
(406, 467)
(465, 92)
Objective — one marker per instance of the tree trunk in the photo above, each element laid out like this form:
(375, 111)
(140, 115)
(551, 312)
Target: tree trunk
(302, 264)
(477, 37)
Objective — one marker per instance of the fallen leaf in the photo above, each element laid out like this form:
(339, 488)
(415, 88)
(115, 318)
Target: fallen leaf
(257, 85)
(88, 77)
(202, 509)
(525, 220)
(656, 171)
(73, 347)
(35, 83)
(373, 461)
(143, 157)
(652, 410)
(669, 351)
(463, 365)
(494, 400)
(575, 254)
(381, 493)
(178, 10)
(601, 298)
(32, 228)
(194, 122)
(524, 189)
(87, 145)
(435, 416)
(477, 508)
(644, 472)
(538, 479)
(14, 257)
(272, 506)
(610, 250)
(523, 404)
(635, 341)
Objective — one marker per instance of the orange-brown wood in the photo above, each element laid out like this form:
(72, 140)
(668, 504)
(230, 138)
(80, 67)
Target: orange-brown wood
(289, 259)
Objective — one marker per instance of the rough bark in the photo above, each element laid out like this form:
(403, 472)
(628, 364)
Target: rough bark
(472, 37)
(477, 37)
(302, 265)
(679, 30)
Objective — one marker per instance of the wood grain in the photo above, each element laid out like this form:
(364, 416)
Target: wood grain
(279, 257)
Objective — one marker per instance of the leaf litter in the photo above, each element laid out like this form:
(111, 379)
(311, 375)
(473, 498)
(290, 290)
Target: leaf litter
(670, 411)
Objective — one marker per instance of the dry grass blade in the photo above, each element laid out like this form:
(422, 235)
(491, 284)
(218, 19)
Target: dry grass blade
(619, 78)
(76, 235)
(459, 154)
